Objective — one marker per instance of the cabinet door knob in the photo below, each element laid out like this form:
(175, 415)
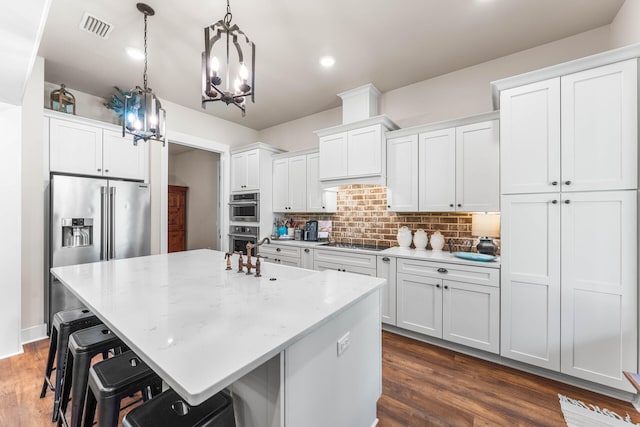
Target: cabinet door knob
(106, 170)
(554, 202)
(554, 183)
(442, 270)
(451, 205)
(446, 287)
(323, 207)
(99, 170)
(438, 286)
(278, 249)
(386, 259)
(459, 205)
(388, 206)
(567, 183)
(566, 202)
(306, 250)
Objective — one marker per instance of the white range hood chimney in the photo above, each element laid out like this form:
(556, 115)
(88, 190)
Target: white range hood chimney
(359, 104)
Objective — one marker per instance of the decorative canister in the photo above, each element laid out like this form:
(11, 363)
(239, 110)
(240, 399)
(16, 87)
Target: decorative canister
(437, 241)
(420, 240)
(404, 237)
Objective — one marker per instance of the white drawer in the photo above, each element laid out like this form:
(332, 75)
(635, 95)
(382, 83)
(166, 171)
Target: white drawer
(345, 258)
(458, 272)
(279, 250)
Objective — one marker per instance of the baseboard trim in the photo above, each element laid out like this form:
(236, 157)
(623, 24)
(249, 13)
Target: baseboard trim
(34, 333)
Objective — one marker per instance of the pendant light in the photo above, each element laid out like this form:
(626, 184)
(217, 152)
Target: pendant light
(217, 84)
(143, 116)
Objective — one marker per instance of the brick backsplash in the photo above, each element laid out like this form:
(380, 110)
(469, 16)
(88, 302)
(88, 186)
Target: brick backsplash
(362, 218)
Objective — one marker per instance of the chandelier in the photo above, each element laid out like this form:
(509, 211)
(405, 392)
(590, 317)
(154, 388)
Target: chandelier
(143, 116)
(216, 77)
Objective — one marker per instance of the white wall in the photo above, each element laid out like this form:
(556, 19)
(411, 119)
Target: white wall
(34, 188)
(10, 189)
(198, 170)
(625, 28)
(458, 94)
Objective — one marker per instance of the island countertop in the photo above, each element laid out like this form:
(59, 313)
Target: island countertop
(201, 327)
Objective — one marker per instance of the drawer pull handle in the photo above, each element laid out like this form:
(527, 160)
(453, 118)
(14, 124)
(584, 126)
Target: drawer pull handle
(386, 259)
(442, 270)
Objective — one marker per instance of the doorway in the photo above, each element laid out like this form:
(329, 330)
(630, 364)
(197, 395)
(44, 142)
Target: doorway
(195, 173)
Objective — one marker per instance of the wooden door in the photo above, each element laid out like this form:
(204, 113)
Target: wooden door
(177, 218)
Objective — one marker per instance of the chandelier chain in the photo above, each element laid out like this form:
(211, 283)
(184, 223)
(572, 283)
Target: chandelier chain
(228, 16)
(144, 76)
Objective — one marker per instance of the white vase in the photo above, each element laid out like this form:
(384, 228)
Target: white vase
(420, 240)
(437, 241)
(404, 237)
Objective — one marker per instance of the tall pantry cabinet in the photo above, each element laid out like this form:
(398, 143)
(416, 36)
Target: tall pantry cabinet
(569, 222)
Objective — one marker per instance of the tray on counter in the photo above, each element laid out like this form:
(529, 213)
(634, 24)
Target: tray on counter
(472, 256)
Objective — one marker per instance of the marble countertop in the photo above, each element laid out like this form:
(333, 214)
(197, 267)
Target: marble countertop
(201, 327)
(441, 256)
(298, 243)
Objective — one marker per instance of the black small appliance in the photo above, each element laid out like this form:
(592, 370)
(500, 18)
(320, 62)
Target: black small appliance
(311, 231)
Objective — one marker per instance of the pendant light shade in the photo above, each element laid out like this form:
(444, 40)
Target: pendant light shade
(143, 115)
(227, 74)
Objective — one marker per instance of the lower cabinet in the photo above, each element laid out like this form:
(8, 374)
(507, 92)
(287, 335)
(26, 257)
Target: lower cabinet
(345, 261)
(285, 255)
(386, 269)
(458, 303)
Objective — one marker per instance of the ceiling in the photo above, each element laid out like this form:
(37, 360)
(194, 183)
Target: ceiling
(388, 43)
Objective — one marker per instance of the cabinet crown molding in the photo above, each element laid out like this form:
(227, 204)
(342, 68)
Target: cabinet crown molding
(255, 145)
(383, 120)
(414, 130)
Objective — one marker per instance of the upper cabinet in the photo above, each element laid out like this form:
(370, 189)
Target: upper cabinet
(296, 185)
(87, 149)
(577, 132)
(449, 166)
(355, 152)
(251, 169)
(245, 171)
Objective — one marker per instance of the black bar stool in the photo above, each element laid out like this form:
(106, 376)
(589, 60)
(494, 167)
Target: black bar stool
(83, 346)
(114, 379)
(169, 409)
(64, 324)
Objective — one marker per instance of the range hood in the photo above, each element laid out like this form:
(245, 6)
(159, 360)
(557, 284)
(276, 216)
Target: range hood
(355, 152)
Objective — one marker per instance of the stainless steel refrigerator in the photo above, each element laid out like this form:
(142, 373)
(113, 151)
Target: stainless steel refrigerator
(93, 220)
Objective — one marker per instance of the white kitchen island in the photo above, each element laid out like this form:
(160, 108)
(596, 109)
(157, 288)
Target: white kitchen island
(301, 350)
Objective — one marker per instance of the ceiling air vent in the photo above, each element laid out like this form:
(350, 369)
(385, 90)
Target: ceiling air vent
(96, 26)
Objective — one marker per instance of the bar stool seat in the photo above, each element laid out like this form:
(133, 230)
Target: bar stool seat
(170, 410)
(64, 324)
(112, 380)
(83, 346)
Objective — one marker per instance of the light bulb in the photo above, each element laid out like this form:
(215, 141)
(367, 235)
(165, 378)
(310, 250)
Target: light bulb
(137, 125)
(215, 64)
(131, 117)
(153, 120)
(244, 72)
(236, 85)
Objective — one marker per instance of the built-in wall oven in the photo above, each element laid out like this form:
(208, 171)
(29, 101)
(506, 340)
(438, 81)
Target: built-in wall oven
(245, 207)
(240, 235)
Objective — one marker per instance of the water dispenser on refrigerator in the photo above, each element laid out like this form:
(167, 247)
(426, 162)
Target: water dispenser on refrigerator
(77, 232)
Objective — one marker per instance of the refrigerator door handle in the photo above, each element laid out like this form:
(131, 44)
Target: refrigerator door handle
(103, 223)
(112, 223)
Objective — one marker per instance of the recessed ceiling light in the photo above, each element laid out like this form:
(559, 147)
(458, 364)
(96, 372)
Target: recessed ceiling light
(327, 61)
(134, 53)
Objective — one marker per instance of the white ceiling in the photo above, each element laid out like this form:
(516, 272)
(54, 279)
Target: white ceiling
(388, 43)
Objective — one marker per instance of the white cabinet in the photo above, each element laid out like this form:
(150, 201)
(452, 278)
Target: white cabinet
(599, 286)
(355, 152)
(306, 258)
(576, 132)
(318, 199)
(288, 255)
(402, 177)
(530, 257)
(87, 149)
(290, 184)
(461, 169)
(458, 303)
(386, 269)
(344, 261)
(245, 171)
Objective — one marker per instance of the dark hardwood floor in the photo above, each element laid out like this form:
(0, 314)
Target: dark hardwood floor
(422, 385)
(425, 385)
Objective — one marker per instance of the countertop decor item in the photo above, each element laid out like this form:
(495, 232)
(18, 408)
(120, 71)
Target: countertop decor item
(213, 71)
(472, 256)
(486, 226)
(404, 237)
(420, 240)
(437, 241)
(144, 117)
(62, 100)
